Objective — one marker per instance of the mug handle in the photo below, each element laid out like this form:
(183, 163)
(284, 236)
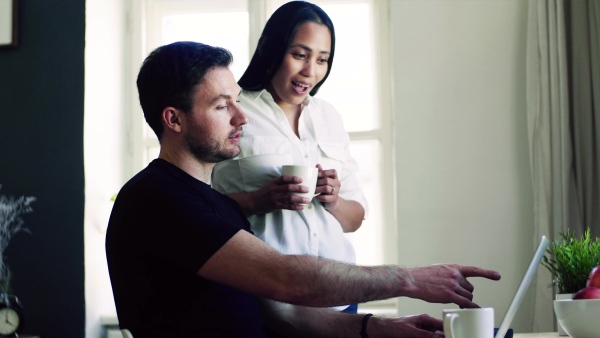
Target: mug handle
(449, 324)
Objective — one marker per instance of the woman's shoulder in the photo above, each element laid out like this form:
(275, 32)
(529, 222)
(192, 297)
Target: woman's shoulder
(249, 94)
(255, 96)
(323, 110)
(321, 103)
(255, 102)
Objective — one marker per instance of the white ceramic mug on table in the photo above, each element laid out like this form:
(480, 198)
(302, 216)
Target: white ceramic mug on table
(309, 176)
(469, 323)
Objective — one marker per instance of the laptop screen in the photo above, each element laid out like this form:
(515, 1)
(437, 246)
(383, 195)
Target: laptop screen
(516, 301)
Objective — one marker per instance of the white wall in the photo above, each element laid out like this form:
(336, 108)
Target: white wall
(106, 91)
(463, 179)
(463, 183)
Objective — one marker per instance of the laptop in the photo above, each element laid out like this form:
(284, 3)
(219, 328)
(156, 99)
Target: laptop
(501, 331)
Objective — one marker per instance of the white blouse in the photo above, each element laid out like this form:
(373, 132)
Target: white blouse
(268, 142)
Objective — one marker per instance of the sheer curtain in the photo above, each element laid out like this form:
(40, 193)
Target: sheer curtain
(563, 78)
(584, 67)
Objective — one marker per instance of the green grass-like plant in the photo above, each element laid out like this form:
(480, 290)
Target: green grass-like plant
(571, 260)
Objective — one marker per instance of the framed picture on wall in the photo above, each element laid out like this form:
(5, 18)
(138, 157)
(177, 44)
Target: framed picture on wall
(8, 24)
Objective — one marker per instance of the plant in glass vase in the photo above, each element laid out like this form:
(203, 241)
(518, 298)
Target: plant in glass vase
(11, 223)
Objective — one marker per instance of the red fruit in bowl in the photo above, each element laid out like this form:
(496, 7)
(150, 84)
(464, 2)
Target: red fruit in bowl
(594, 278)
(588, 293)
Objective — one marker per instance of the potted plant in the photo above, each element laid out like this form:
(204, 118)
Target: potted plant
(570, 261)
(11, 223)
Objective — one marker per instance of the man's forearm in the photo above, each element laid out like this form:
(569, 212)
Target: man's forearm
(248, 264)
(295, 321)
(330, 283)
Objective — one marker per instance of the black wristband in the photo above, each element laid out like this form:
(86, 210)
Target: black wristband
(363, 329)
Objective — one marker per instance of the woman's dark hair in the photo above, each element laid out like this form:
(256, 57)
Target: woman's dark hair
(170, 74)
(277, 37)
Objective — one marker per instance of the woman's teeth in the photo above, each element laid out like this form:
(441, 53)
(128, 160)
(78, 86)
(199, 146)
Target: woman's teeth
(299, 84)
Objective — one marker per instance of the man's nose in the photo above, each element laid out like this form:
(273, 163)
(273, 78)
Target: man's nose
(239, 117)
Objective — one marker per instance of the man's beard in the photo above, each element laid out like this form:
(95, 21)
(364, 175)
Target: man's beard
(208, 150)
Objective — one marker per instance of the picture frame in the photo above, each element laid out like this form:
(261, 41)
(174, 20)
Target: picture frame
(8, 24)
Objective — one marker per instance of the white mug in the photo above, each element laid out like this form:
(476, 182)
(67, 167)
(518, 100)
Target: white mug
(308, 175)
(469, 323)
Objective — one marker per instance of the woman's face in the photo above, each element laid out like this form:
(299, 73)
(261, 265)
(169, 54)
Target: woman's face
(304, 65)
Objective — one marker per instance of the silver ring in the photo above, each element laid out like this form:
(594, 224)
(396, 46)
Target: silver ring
(332, 189)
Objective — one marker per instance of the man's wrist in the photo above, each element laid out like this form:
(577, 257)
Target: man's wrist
(364, 323)
(376, 327)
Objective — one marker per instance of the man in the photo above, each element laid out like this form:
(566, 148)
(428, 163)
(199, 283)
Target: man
(182, 259)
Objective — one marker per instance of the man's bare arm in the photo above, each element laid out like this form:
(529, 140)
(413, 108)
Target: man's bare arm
(249, 264)
(295, 321)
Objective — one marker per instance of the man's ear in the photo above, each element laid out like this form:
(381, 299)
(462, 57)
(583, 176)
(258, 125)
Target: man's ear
(172, 118)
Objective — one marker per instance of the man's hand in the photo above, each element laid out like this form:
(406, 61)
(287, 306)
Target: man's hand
(418, 326)
(445, 283)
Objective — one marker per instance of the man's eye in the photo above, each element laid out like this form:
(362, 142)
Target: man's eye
(222, 107)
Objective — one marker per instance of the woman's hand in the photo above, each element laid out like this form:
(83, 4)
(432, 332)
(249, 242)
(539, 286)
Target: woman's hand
(349, 213)
(328, 185)
(275, 195)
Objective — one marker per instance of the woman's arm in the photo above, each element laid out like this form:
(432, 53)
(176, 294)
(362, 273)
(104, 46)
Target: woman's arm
(350, 214)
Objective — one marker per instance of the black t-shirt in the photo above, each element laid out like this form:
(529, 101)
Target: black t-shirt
(164, 226)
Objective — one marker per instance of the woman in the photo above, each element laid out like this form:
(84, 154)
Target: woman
(287, 125)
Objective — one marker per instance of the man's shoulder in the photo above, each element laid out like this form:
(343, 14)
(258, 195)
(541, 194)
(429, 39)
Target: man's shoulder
(163, 181)
(151, 178)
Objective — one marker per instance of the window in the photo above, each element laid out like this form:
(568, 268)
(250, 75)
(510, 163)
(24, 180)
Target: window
(358, 86)
(352, 89)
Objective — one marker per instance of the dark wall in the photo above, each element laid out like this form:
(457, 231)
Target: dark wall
(41, 155)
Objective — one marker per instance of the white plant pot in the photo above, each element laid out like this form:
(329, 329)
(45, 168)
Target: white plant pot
(561, 331)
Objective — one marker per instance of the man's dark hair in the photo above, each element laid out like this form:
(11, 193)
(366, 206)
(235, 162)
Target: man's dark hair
(169, 76)
(276, 38)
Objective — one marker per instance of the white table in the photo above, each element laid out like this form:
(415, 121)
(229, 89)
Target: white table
(536, 335)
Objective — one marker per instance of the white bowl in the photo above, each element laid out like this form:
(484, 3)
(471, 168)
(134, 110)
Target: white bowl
(579, 318)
